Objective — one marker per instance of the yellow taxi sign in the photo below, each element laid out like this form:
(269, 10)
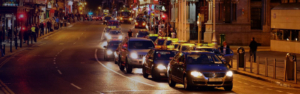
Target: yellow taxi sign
(153, 35)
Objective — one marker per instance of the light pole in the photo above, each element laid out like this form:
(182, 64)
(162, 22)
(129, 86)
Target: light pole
(214, 40)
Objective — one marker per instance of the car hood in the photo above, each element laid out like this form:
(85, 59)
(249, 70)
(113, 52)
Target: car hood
(112, 48)
(164, 62)
(207, 67)
(139, 51)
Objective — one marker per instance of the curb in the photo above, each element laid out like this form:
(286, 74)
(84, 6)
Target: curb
(290, 84)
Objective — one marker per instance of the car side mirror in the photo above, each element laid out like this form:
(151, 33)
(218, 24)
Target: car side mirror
(104, 46)
(181, 63)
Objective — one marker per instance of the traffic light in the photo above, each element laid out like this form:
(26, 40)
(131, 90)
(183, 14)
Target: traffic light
(21, 16)
(163, 16)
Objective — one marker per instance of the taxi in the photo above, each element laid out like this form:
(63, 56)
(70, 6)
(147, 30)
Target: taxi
(153, 37)
(144, 33)
(156, 61)
(140, 22)
(199, 69)
(185, 47)
(109, 50)
(114, 34)
(106, 31)
(165, 42)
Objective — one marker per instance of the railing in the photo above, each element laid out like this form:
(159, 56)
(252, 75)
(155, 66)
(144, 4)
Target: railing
(263, 66)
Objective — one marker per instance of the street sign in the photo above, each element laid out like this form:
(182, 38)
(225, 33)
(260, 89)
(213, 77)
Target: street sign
(160, 7)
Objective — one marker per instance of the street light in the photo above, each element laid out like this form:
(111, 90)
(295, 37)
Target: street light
(84, 3)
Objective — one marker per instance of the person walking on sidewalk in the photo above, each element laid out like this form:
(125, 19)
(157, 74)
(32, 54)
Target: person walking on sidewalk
(49, 26)
(225, 50)
(253, 47)
(42, 28)
(37, 30)
(33, 32)
(26, 35)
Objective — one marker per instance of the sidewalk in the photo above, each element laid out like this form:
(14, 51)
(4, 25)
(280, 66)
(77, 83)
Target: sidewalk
(263, 57)
(24, 45)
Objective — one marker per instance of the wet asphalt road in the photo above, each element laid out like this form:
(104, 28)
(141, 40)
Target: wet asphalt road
(71, 62)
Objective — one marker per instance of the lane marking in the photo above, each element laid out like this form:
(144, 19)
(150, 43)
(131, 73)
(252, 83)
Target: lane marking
(252, 85)
(240, 81)
(278, 91)
(261, 87)
(7, 89)
(96, 57)
(289, 93)
(74, 43)
(59, 72)
(75, 86)
(54, 62)
(246, 83)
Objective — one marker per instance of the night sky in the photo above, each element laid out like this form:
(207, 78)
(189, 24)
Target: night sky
(93, 4)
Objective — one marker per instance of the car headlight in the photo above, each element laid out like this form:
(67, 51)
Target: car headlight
(108, 37)
(229, 73)
(144, 23)
(106, 34)
(196, 74)
(161, 67)
(130, 18)
(115, 54)
(134, 55)
(109, 52)
(120, 37)
(121, 18)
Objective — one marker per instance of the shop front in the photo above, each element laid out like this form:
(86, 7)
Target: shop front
(285, 26)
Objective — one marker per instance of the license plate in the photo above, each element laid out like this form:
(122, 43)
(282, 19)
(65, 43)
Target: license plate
(215, 79)
(162, 74)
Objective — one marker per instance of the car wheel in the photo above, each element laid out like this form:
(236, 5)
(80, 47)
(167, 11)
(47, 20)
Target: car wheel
(154, 74)
(121, 67)
(128, 67)
(186, 84)
(171, 82)
(228, 88)
(146, 75)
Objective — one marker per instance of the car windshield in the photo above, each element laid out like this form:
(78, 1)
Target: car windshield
(203, 59)
(125, 14)
(208, 49)
(143, 33)
(139, 19)
(141, 45)
(107, 18)
(169, 42)
(176, 45)
(114, 32)
(164, 55)
(113, 44)
(160, 42)
(187, 48)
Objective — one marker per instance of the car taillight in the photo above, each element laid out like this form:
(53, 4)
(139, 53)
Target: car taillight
(144, 23)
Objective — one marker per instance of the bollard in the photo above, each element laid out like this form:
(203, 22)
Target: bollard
(245, 63)
(257, 65)
(295, 71)
(284, 71)
(274, 69)
(251, 64)
(237, 63)
(3, 49)
(266, 67)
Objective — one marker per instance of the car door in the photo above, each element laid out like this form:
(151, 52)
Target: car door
(175, 67)
(180, 67)
(149, 59)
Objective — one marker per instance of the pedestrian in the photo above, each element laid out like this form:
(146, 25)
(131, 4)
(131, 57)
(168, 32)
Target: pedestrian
(9, 34)
(42, 28)
(225, 50)
(129, 33)
(37, 30)
(253, 47)
(26, 35)
(48, 26)
(33, 33)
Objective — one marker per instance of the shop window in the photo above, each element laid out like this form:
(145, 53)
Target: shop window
(287, 35)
